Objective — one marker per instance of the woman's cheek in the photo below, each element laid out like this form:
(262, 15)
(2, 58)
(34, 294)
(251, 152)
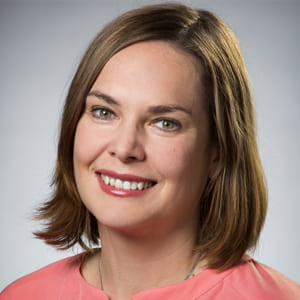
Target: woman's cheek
(172, 155)
(89, 142)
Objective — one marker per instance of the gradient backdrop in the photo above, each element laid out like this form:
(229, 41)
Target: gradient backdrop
(41, 43)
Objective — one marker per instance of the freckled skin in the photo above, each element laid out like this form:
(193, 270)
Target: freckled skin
(140, 76)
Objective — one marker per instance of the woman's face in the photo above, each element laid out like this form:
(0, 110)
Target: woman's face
(143, 151)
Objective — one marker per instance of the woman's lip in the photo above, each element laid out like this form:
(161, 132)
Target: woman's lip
(120, 192)
(123, 176)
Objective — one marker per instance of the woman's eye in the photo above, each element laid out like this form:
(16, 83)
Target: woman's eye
(102, 113)
(167, 124)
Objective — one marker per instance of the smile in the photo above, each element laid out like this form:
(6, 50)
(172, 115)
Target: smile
(123, 185)
(126, 184)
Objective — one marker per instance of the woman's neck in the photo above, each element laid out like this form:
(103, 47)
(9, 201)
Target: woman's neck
(130, 265)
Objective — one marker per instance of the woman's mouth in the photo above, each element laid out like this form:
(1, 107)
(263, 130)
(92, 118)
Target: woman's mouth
(123, 185)
(126, 184)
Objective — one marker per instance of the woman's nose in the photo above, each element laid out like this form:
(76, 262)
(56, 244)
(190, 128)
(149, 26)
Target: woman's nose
(126, 145)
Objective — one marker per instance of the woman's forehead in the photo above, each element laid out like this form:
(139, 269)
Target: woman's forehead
(152, 70)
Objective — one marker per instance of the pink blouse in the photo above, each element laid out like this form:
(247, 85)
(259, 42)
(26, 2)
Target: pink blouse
(62, 280)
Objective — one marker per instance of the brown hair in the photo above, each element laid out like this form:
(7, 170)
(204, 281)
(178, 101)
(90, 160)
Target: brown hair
(233, 206)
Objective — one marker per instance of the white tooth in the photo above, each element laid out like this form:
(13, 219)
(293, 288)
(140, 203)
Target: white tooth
(126, 185)
(106, 179)
(111, 181)
(134, 185)
(118, 184)
(140, 185)
(146, 185)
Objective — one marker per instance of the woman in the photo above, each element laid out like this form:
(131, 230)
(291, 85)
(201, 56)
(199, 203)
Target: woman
(157, 158)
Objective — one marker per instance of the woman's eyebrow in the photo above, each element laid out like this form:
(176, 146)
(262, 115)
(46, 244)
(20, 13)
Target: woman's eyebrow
(161, 109)
(158, 109)
(108, 99)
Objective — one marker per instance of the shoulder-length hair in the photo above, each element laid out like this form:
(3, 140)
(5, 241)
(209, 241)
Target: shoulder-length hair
(233, 207)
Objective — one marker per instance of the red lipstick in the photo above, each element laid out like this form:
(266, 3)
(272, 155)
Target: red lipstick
(122, 192)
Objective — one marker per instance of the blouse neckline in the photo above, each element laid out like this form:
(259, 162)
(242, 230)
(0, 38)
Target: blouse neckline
(193, 287)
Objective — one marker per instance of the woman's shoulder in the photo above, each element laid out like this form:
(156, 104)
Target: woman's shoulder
(48, 278)
(254, 280)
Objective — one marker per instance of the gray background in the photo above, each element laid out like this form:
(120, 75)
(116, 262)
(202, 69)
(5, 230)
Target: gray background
(41, 43)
